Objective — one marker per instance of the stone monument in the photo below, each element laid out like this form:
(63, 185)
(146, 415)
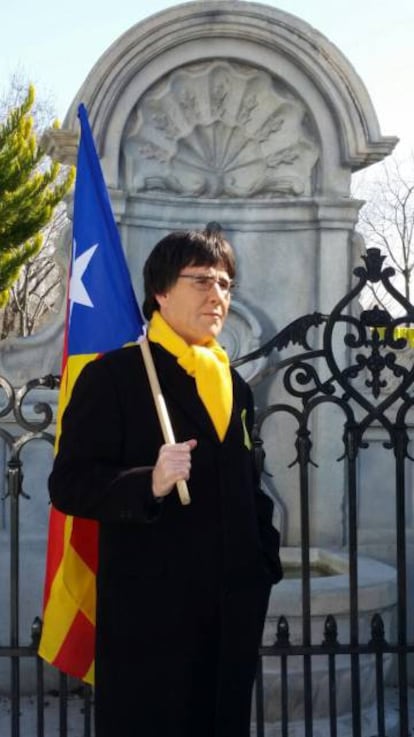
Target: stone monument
(242, 114)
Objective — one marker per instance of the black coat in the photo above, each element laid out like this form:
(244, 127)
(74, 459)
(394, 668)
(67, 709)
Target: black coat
(182, 591)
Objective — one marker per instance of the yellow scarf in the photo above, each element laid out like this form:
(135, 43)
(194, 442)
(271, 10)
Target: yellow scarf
(208, 364)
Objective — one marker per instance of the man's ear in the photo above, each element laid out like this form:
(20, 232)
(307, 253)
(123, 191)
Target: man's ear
(161, 299)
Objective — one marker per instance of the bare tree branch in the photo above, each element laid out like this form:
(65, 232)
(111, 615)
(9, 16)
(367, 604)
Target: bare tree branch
(387, 218)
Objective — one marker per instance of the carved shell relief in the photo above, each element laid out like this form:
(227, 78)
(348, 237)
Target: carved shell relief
(217, 129)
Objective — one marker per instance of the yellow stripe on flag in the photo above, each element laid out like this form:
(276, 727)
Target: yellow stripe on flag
(89, 677)
(79, 581)
(73, 368)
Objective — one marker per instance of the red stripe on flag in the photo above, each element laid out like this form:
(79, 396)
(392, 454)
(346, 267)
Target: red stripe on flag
(84, 539)
(77, 652)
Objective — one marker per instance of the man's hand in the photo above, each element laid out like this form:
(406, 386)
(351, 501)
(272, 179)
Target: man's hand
(173, 464)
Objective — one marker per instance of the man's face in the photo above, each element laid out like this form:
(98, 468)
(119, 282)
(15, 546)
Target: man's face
(196, 307)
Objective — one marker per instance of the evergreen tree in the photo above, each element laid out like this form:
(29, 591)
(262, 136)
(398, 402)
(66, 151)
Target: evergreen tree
(31, 187)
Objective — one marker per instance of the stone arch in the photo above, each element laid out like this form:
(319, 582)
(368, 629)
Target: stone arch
(262, 37)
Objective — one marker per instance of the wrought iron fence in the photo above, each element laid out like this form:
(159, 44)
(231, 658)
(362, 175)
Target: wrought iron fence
(374, 385)
(358, 362)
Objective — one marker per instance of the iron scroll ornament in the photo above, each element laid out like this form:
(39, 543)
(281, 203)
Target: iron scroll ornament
(359, 358)
(14, 402)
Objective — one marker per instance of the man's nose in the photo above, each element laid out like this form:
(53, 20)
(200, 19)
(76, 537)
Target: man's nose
(216, 292)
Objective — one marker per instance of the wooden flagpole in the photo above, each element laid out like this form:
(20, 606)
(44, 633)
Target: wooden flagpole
(162, 411)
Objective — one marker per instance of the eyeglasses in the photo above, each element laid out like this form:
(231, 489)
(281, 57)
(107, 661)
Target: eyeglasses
(204, 282)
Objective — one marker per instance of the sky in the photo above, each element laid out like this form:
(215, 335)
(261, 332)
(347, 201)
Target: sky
(55, 45)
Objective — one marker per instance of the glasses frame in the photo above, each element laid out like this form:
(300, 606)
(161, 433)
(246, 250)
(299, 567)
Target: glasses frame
(205, 282)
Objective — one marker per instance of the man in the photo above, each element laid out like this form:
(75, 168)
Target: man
(182, 591)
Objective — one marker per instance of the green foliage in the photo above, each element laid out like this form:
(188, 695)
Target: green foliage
(31, 186)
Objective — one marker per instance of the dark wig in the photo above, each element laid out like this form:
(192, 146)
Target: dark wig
(178, 250)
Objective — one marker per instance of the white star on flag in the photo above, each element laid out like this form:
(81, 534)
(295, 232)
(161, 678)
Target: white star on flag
(77, 290)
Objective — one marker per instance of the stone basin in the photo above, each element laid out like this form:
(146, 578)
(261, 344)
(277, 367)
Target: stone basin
(377, 593)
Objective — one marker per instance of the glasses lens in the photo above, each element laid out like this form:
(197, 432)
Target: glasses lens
(225, 285)
(205, 282)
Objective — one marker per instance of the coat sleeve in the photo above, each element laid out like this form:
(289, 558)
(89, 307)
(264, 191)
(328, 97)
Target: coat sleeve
(88, 478)
(269, 535)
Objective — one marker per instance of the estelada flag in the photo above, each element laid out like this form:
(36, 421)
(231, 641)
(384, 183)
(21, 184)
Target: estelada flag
(102, 314)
